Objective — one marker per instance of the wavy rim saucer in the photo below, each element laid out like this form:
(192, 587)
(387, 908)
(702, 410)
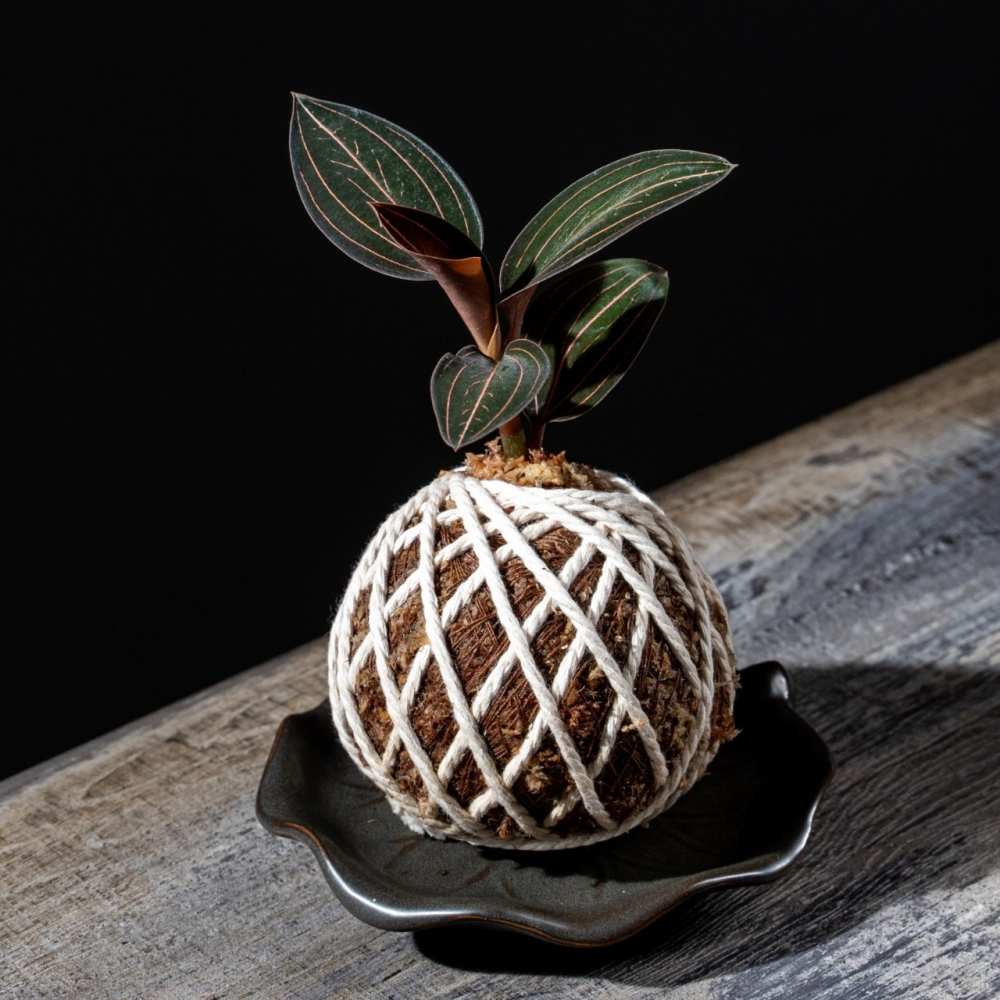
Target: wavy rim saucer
(745, 822)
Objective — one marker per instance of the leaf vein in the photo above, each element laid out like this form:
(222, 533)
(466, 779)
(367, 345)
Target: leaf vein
(350, 239)
(354, 156)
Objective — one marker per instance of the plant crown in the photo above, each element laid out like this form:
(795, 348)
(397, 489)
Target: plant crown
(553, 336)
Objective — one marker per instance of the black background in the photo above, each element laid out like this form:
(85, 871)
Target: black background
(211, 407)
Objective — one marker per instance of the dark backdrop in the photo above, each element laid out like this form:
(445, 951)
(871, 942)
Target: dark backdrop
(211, 407)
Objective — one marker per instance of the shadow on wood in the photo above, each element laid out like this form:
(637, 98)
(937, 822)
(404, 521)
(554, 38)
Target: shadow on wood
(897, 829)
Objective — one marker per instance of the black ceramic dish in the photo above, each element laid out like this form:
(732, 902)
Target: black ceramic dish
(745, 822)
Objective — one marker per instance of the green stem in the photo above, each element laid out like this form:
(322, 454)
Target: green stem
(512, 437)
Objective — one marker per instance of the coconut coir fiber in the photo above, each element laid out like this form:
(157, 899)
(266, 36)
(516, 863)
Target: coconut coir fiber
(477, 641)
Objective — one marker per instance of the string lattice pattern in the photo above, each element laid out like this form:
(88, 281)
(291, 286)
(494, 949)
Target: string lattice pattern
(632, 540)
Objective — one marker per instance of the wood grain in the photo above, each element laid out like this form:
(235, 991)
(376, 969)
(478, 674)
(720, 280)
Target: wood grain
(863, 551)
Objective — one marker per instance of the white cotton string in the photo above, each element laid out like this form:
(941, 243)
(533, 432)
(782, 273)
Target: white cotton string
(605, 521)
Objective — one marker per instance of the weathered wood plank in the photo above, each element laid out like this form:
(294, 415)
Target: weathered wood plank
(862, 550)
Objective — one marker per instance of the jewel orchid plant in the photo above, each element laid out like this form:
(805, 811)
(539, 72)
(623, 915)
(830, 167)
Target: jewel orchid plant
(553, 336)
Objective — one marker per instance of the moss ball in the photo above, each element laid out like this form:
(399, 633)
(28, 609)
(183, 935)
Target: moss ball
(531, 657)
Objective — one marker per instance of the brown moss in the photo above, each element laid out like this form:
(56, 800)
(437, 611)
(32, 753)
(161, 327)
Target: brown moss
(537, 468)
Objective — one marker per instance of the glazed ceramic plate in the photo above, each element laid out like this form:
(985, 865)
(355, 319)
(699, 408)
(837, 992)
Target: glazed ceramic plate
(745, 822)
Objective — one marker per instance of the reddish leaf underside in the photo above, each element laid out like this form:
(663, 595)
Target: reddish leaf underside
(450, 257)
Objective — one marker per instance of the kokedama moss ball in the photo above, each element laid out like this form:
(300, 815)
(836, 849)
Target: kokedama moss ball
(530, 666)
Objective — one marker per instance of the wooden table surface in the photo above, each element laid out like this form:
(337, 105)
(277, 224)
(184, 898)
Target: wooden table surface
(863, 551)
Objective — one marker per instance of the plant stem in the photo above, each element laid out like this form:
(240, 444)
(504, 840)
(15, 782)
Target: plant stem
(537, 430)
(512, 437)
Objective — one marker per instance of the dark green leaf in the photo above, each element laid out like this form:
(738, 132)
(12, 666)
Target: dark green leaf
(592, 323)
(453, 259)
(600, 207)
(473, 395)
(345, 159)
